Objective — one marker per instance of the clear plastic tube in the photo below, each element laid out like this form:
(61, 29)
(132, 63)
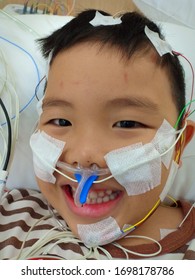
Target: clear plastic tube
(85, 178)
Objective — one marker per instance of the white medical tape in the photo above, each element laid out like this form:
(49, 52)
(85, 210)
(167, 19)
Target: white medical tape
(139, 179)
(39, 106)
(100, 19)
(161, 46)
(100, 233)
(3, 175)
(3, 179)
(162, 141)
(138, 167)
(46, 152)
(169, 183)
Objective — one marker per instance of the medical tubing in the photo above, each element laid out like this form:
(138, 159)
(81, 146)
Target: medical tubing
(35, 65)
(100, 172)
(25, 26)
(9, 135)
(183, 111)
(145, 161)
(144, 219)
(85, 178)
(85, 182)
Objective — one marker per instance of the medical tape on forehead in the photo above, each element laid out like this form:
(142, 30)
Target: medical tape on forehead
(161, 46)
(46, 152)
(138, 167)
(100, 233)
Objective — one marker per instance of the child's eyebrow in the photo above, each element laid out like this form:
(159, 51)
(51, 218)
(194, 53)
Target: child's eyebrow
(142, 103)
(50, 102)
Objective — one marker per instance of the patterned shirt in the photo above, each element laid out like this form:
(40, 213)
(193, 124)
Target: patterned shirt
(28, 230)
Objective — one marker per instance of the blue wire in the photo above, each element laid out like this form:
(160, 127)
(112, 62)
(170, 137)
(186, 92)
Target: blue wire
(36, 67)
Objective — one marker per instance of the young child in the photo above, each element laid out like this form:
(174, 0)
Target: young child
(106, 149)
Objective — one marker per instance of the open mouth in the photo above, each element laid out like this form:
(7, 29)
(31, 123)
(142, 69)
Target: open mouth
(97, 197)
(99, 202)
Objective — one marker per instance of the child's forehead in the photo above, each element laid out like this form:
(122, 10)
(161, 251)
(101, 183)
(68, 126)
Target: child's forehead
(91, 62)
(106, 48)
(95, 55)
(92, 74)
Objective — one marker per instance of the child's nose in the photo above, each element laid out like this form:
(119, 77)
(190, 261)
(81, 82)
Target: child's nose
(85, 150)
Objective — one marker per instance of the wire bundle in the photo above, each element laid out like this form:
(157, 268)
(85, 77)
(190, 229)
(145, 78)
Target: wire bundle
(49, 7)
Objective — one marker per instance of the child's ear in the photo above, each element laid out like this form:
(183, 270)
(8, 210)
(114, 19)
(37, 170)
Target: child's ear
(188, 133)
(184, 140)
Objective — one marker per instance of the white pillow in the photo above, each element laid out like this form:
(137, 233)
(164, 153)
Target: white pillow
(174, 11)
(22, 30)
(21, 174)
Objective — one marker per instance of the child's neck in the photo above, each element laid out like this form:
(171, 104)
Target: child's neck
(163, 218)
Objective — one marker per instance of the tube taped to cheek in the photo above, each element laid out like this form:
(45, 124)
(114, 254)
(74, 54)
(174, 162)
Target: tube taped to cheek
(46, 152)
(100, 233)
(138, 167)
(162, 141)
(135, 179)
(39, 106)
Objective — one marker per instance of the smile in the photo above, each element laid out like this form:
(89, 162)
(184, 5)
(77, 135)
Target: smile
(99, 202)
(97, 197)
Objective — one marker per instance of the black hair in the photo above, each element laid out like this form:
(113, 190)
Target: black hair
(128, 38)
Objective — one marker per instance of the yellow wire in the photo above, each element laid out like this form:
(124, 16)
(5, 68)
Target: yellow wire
(141, 221)
(179, 153)
(172, 199)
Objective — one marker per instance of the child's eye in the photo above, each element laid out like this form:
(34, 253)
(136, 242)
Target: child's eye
(60, 122)
(128, 124)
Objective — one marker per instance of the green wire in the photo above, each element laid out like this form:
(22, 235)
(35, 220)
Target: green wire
(182, 112)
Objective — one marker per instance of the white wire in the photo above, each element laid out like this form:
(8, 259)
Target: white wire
(193, 205)
(3, 155)
(16, 20)
(111, 176)
(72, 8)
(145, 161)
(139, 254)
(9, 91)
(23, 243)
(38, 248)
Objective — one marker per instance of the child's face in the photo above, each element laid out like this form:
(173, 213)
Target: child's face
(96, 102)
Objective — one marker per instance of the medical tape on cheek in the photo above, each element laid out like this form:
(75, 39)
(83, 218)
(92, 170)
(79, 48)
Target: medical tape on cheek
(162, 141)
(100, 233)
(39, 107)
(138, 167)
(46, 152)
(135, 179)
(170, 180)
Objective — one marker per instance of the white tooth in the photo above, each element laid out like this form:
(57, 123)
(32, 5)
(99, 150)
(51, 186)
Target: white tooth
(109, 192)
(105, 198)
(93, 201)
(113, 196)
(93, 195)
(101, 194)
(99, 200)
